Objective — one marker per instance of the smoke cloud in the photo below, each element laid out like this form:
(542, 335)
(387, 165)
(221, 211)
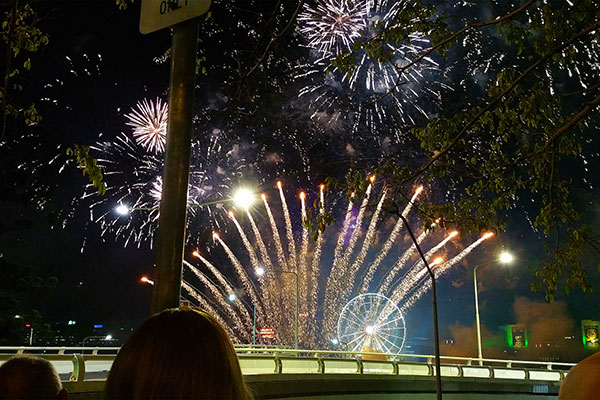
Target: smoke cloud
(553, 335)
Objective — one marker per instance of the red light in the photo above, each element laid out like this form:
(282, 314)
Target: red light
(27, 325)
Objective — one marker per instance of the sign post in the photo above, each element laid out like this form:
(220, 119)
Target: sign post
(158, 14)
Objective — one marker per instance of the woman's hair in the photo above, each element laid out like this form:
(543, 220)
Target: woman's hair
(183, 354)
(29, 377)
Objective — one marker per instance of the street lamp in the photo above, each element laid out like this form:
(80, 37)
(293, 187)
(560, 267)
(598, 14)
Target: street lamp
(260, 271)
(122, 209)
(297, 296)
(505, 258)
(147, 280)
(436, 334)
(233, 297)
(107, 337)
(243, 198)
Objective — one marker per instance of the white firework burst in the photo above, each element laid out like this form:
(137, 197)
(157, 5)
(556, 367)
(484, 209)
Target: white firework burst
(149, 122)
(359, 90)
(133, 177)
(332, 25)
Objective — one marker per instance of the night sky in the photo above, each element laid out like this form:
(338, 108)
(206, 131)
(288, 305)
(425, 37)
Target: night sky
(95, 69)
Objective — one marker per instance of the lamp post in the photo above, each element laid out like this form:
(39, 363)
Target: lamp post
(505, 258)
(233, 297)
(297, 296)
(436, 334)
(261, 271)
(253, 324)
(107, 337)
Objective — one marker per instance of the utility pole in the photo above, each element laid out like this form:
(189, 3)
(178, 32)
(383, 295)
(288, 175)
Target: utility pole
(173, 204)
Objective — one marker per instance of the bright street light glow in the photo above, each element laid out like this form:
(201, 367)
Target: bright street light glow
(108, 337)
(147, 280)
(260, 271)
(437, 261)
(370, 330)
(231, 297)
(243, 198)
(506, 257)
(122, 209)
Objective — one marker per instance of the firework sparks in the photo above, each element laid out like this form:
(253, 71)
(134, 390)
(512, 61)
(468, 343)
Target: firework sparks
(332, 25)
(209, 308)
(133, 176)
(220, 298)
(385, 249)
(441, 269)
(149, 122)
(330, 28)
(277, 289)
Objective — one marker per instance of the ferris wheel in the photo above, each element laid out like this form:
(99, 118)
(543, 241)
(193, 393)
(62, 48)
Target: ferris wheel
(371, 322)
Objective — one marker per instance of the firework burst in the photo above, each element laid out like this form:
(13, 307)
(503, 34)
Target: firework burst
(360, 90)
(149, 122)
(330, 271)
(133, 174)
(331, 26)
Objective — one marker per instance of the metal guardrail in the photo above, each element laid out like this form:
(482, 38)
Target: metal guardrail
(280, 360)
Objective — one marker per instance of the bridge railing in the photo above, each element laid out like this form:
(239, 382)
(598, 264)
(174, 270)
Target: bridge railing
(256, 360)
(283, 361)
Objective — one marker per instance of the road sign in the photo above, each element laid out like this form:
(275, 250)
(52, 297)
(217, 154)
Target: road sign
(159, 14)
(267, 333)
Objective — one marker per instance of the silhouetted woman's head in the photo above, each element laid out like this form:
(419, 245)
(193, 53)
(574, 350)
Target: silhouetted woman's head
(183, 354)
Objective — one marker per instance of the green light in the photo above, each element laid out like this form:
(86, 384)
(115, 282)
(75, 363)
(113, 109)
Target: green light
(509, 337)
(589, 334)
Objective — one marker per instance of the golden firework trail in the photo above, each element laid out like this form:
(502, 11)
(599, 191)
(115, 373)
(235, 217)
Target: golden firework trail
(327, 281)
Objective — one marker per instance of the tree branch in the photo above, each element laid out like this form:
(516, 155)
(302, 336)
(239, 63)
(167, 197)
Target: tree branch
(274, 38)
(448, 39)
(464, 132)
(572, 122)
(9, 43)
